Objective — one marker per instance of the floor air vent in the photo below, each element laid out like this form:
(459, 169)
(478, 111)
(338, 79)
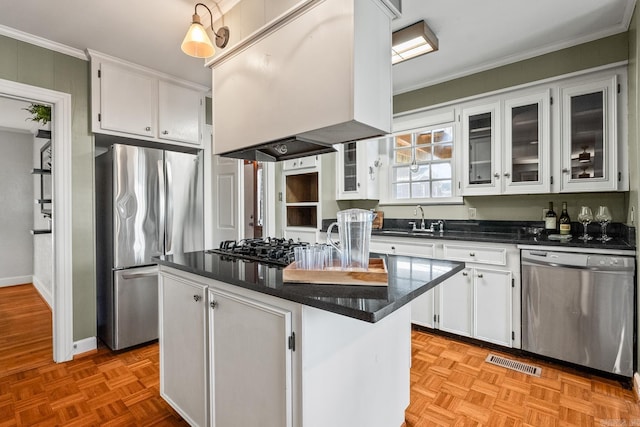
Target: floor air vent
(514, 365)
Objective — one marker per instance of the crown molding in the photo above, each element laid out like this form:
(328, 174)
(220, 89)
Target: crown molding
(42, 42)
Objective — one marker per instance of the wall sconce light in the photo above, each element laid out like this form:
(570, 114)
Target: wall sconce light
(197, 43)
(414, 40)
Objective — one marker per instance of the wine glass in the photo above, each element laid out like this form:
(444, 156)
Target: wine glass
(585, 217)
(603, 216)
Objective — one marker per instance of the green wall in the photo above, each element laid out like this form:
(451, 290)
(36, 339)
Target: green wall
(25, 63)
(581, 57)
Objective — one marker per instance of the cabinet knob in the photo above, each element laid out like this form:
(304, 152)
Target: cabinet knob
(197, 298)
(472, 254)
(464, 273)
(165, 132)
(393, 248)
(507, 174)
(358, 185)
(479, 275)
(496, 175)
(213, 304)
(565, 170)
(148, 128)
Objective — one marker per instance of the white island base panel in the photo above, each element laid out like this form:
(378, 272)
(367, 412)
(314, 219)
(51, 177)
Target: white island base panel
(355, 373)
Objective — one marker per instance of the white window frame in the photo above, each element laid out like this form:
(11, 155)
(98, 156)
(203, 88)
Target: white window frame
(416, 123)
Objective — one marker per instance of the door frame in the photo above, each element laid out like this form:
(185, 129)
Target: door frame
(62, 280)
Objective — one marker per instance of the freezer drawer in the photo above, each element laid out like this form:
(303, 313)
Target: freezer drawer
(135, 294)
(581, 315)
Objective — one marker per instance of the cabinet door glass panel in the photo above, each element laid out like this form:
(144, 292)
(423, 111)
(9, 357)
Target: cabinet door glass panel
(525, 143)
(350, 169)
(480, 148)
(587, 136)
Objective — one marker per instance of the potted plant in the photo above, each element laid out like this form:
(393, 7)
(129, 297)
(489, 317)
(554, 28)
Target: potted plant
(41, 113)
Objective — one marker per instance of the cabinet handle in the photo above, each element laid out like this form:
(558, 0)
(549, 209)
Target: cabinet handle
(358, 185)
(507, 174)
(197, 298)
(479, 275)
(464, 273)
(148, 128)
(472, 254)
(213, 304)
(565, 170)
(496, 175)
(165, 132)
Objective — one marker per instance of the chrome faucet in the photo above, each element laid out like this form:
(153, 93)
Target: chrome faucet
(415, 212)
(440, 224)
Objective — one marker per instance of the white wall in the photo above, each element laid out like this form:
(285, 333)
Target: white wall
(16, 207)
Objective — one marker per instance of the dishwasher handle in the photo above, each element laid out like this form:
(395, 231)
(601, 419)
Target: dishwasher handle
(592, 262)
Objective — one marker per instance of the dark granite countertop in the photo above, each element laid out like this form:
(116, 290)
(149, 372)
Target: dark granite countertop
(511, 232)
(409, 278)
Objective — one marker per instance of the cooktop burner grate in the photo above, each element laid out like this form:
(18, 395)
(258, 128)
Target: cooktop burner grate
(268, 250)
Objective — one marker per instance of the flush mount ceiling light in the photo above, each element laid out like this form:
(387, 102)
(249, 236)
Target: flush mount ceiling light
(412, 41)
(197, 43)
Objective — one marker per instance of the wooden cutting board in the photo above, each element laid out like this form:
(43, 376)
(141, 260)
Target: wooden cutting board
(375, 275)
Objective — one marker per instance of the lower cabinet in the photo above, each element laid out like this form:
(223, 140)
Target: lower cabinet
(481, 302)
(250, 362)
(183, 349)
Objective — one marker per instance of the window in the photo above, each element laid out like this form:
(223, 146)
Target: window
(422, 164)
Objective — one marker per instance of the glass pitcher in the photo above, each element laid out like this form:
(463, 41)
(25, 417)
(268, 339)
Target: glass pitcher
(354, 235)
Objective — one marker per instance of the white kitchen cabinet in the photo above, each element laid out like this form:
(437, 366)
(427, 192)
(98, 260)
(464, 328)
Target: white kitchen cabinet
(589, 135)
(250, 363)
(183, 347)
(301, 234)
(131, 101)
(179, 111)
(510, 160)
(455, 303)
(357, 171)
(492, 305)
(301, 163)
(127, 100)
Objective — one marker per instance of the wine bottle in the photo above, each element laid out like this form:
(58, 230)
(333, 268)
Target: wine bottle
(564, 220)
(550, 220)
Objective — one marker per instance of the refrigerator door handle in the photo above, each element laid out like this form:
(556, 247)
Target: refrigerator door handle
(162, 208)
(169, 211)
(147, 272)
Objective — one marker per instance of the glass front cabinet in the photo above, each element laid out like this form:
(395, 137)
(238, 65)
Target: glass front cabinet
(357, 170)
(589, 136)
(481, 137)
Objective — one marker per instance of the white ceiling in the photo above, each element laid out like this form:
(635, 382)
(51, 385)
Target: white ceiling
(474, 35)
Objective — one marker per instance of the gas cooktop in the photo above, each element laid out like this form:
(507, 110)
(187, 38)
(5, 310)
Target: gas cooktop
(268, 250)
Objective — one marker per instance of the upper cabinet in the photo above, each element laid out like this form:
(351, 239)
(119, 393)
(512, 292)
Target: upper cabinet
(357, 171)
(589, 137)
(134, 102)
(560, 136)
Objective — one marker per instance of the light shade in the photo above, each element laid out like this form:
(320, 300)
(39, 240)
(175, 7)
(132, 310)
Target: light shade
(197, 43)
(414, 40)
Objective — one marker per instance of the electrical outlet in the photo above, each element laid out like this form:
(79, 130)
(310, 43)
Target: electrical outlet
(472, 213)
(280, 196)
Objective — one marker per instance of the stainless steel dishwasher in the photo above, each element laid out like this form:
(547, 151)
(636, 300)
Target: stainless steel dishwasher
(579, 307)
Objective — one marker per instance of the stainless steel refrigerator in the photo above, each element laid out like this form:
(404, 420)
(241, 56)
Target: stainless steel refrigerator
(148, 202)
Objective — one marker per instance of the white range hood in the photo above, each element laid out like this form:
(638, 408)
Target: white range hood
(318, 75)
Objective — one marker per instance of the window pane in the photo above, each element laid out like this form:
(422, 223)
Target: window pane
(423, 154)
(420, 190)
(440, 170)
(441, 189)
(402, 141)
(422, 174)
(401, 191)
(403, 156)
(443, 135)
(423, 138)
(402, 174)
(443, 152)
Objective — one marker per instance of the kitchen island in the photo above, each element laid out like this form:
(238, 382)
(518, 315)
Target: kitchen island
(241, 347)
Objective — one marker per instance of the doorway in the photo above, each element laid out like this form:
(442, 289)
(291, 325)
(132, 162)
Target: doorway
(254, 174)
(61, 208)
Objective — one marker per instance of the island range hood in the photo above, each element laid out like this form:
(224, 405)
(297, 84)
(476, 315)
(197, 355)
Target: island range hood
(319, 75)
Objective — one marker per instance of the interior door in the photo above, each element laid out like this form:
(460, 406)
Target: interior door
(226, 190)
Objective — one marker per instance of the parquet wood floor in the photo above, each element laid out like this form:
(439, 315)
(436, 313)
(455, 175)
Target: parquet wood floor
(102, 388)
(452, 385)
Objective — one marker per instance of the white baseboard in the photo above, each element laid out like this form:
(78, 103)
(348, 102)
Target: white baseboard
(636, 385)
(84, 345)
(43, 291)
(11, 281)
